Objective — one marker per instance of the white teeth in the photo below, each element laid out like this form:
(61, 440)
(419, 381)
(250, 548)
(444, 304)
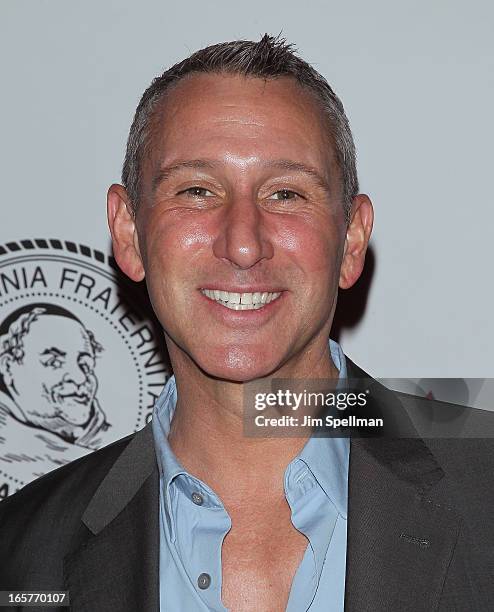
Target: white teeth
(244, 301)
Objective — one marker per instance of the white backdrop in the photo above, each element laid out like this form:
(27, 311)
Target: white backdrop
(416, 78)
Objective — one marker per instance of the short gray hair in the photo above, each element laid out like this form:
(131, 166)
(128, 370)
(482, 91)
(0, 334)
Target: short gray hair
(270, 58)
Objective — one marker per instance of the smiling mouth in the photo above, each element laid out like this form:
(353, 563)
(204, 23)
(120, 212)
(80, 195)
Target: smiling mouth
(75, 397)
(241, 301)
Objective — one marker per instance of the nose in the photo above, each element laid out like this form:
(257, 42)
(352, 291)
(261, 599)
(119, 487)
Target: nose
(243, 237)
(75, 375)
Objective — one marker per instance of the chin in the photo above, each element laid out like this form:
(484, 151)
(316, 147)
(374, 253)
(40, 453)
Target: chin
(75, 418)
(238, 365)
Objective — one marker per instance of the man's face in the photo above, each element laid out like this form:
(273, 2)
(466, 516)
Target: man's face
(242, 195)
(55, 382)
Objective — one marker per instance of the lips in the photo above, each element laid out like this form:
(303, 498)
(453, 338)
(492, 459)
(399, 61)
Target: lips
(241, 301)
(64, 392)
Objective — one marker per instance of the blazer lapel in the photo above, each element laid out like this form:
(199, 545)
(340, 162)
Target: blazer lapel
(400, 538)
(116, 568)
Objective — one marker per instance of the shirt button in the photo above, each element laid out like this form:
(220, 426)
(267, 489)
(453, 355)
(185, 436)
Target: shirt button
(204, 581)
(198, 500)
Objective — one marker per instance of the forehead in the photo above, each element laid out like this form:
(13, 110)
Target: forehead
(56, 331)
(222, 114)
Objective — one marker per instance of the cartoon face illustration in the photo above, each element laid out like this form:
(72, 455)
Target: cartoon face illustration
(47, 367)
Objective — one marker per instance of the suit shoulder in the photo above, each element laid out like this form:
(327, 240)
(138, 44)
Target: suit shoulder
(461, 439)
(439, 419)
(72, 484)
(41, 523)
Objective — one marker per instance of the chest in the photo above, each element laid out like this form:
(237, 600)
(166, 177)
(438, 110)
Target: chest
(259, 564)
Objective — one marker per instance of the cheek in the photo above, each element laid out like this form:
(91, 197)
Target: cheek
(30, 381)
(193, 236)
(172, 237)
(313, 248)
(49, 377)
(176, 246)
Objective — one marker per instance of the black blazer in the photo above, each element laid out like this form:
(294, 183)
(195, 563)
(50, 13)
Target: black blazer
(420, 527)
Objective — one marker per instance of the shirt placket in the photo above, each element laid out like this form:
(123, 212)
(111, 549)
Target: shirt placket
(201, 523)
(313, 514)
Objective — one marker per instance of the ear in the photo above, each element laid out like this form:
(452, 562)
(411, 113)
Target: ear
(123, 233)
(356, 241)
(5, 361)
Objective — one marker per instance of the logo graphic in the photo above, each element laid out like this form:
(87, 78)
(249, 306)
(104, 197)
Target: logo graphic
(82, 357)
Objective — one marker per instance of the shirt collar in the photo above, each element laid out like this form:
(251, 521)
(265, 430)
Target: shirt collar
(163, 412)
(327, 458)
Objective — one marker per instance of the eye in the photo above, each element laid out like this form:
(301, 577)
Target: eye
(53, 362)
(196, 192)
(86, 363)
(285, 194)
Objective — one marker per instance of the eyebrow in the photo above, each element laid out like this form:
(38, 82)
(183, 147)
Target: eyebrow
(53, 350)
(291, 166)
(167, 172)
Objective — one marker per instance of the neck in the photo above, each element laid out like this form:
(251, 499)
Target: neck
(207, 432)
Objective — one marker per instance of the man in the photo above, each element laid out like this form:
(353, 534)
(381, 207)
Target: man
(47, 361)
(47, 390)
(240, 207)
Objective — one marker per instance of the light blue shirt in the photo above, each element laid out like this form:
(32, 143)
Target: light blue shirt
(193, 521)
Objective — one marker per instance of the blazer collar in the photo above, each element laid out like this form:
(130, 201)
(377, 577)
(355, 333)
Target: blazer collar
(116, 568)
(401, 450)
(400, 539)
